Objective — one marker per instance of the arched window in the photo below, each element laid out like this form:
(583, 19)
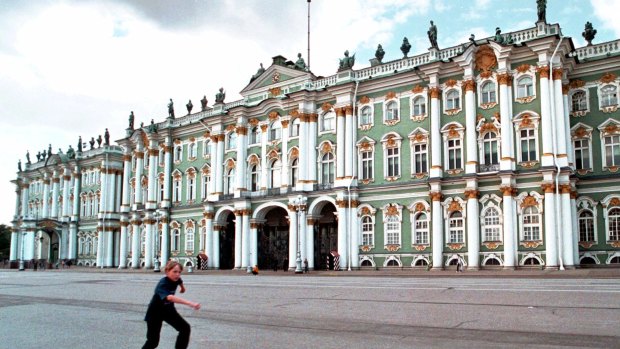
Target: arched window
(147, 159)
(489, 145)
(175, 242)
(367, 164)
(609, 96)
(327, 168)
(365, 116)
(488, 92)
(189, 239)
(275, 173)
(178, 153)
(612, 150)
(582, 154)
(492, 229)
(531, 224)
(586, 226)
(613, 219)
(275, 131)
(391, 111)
(392, 230)
(453, 100)
(528, 145)
(294, 172)
(191, 187)
(176, 190)
(456, 228)
(232, 141)
(254, 175)
(368, 231)
(579, 101)
(87, 245)
(328, 122)
(419, 106)
(294, 128)
(421, 229)
(206, 148)
(229, 181)
(454, 154)
(254, 135)
(525, 87)
(206, 179)
(161, 157)
(193, 150)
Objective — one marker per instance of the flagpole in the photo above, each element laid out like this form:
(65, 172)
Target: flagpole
(308, 35)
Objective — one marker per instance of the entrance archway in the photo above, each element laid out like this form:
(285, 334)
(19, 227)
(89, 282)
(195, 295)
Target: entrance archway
(273, 239)
(325, 237)
(227, 243)
(49, 241)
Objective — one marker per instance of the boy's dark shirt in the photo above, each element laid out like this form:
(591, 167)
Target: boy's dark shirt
(159, 304)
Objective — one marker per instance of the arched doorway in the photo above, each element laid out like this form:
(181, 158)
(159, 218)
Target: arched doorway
(273, 239)
(227, 243)
(325, 237)
(49, 241)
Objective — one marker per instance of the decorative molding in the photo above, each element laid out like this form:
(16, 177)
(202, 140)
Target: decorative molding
(608, 78)
(392, 247)
(530, 244)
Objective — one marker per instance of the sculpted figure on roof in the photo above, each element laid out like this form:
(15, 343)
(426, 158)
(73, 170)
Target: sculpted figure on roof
(300, 64)
(347, 62)
(219, 97)
(432, 35)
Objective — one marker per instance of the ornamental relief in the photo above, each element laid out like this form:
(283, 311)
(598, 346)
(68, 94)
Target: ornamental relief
(417, 89)
(418, 118)
(451, 83)
(573, 84)
(582, 132)
(455, 246)
(326, 107)
(528, 164)
(295, 152)
(487, 106)
(530, 244)
(390, 95)
(391, 122)
(487, 127)
(492, 245)
(523, 68)
(364, 100)
(273, 116)
(608, 78)
(230, 128)
(366, 248)
(529, 201)
(392, 247)
(525, 100)
(609, 109)
(391, 210)
(419, 247)
(276, 91)
(611, 129)
(485, 59)
(326, 148)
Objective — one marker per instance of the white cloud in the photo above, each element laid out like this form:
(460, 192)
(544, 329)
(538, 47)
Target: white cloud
(607, 12)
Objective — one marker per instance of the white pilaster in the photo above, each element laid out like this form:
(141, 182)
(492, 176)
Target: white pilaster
(545, 114)
(219, 165)
(149, 223)
(569, 244)
(25, 194)
(216, 247)
(510, 241)
(167, 172)
(242, 150)
(340, 143)
(292, 238)
(139, 154)
(55, 194)
(437, 226)
(263, 156)
(310, 242)
(551, 238)
(251, 238)
(471, 166)
(135, 241)
(239, 246)
(343, 231)
(507, 159)
(349, 142)
(436, 140)
(122, 258)
(245, 239)
(66, 201)
(473, 226)
(284, 180)
(560, 125)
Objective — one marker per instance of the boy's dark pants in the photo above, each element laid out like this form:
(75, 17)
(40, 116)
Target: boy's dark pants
(173, 319)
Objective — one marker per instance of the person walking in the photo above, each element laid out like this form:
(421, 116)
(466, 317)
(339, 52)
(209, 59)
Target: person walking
(459, 265)
(306, 269)
(255, 270)
(161, 308)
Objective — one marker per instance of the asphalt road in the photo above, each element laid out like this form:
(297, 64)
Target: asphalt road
(71, 309)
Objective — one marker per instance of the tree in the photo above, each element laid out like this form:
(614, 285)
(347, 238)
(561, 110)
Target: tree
(5, 241)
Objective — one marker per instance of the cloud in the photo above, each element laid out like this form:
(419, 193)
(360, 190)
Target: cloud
(607, 12)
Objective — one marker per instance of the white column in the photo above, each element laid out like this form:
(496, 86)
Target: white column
(126, 187)
(292, 237)
(216, 247)
(112, 191)
(167, 172)
(25, 194)
(209, 247)
(507, 160)
(551, 238)
(355, 237)
(55, 194)
(151, 201)
(135, 241)
(245, 238)
(251, 233)
(109, 256)
(510, 242)
(122, 258)
(17, 200)
(14, 242)
(436, 140)
(284, 182)
(242, 150)
(149, 222)
(303, 160)
(575, 232)
(139, 154)
(100, 247)
(303, 248)
(437, 226)
(213, 156)
(340, 143)
(238, 242)
(560, 126)
(46, 197)
(349, 142)
(263, 156)
(219, 165)
(310, 242)
(343, 231)
(313, 127)
(545, 115)
(568, 244)
(473, 229)
(471, 166)
(253, 242)
(66, 202)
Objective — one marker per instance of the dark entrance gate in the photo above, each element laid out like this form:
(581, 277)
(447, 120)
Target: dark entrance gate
(227, 243)
(325, 238)
(273, 239)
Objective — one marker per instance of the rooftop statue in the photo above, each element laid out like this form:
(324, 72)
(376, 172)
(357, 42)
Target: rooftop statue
(219, 97)
(405, 47)
(498, 36)
(80, 144)
(99, 141)
(509, 40)
(379, 54)
(38, 156)
(70, 152)
(432, 35)
(347, 62)
(106, 135)
(472, 39)
(28, 157)
(19, 165)
(260, 71)
(300, 64)
(131, 118)
(588, 33)
(92, 143)
(49, 151)
(203, 103)
(152, 127)
(542, 10)
(171, 109)
(44, 155)
(189, 107)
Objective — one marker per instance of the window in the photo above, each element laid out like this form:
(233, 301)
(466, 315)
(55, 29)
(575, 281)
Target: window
(327, 168)
(275, 173)
(176, 190)
(192, 150)
(528, 145)
(191, 187)
(206, 178)
(254, 135)
(393, 162)
(161, 189)
(367, 165)
(178, 153)
(392, 230)
(579, 101)
(295, 124)
(254, 175)
(189, 239)
(328, 122)
(531, 224)
(365, 116)
(175, 242)
(368, 234)
(488, 93)
(294, 172)
(586, 226)
(419, 106)
(456, 228)
(453, 100)
(161, 157)
(275, 131)
(613, 225)
(421, 229)
(489, 146)
(609, 96)
(232, 141)
(420, 158)
(492, 228)
(582, 154)
(229, 181)
(206, 148)
(612, 150)
(391, 111)
(454, 154)
(525, 87)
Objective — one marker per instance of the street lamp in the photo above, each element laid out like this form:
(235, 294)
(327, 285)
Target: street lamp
(300, 204)
(157, 215)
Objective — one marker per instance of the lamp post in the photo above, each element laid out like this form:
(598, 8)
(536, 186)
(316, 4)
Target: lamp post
(157, 215)
(300, 204)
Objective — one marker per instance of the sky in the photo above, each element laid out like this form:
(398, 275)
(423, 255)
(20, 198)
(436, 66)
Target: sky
(73, 68)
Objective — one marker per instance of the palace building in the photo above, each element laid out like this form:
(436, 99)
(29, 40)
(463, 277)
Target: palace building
(501, 152)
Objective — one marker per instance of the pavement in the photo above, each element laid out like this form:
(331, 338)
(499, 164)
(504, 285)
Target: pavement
(572, 273)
